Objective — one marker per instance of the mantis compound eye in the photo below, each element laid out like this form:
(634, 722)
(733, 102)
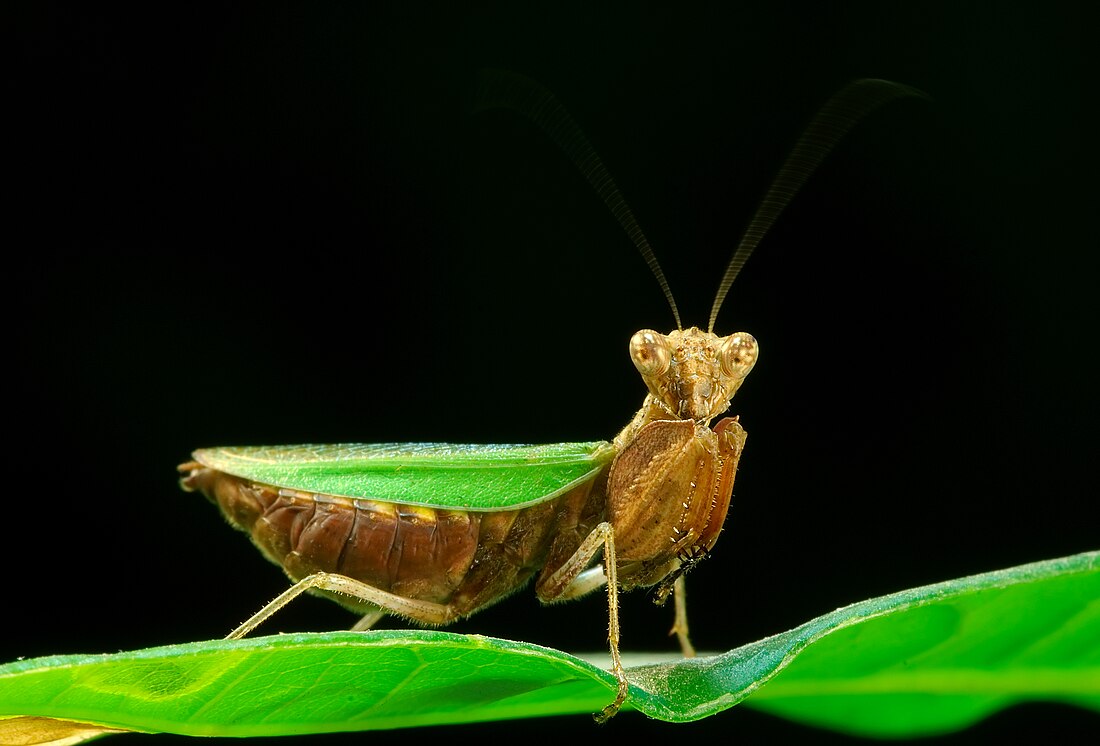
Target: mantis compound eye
(650, 352)
(739, 353)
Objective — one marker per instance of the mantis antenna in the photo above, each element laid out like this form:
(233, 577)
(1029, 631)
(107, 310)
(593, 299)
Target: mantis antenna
(839, 114)
(502, 89)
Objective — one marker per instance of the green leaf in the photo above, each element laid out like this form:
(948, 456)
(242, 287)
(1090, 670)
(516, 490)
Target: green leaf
(922, 661)
(436, 475)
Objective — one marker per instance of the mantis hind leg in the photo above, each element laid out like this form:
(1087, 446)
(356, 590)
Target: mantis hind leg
(424, 612)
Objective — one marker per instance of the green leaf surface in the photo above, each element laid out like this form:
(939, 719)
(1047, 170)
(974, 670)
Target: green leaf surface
(926, 660)
(436, 475)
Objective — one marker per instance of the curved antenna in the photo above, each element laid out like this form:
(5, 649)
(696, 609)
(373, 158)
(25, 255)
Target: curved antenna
(839, 114)
(502, 89)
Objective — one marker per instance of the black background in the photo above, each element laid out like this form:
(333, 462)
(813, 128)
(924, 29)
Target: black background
(276, 224)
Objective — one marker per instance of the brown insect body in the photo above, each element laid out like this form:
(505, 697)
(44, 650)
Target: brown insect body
(665, 494)
(460, 560)
(654, 510)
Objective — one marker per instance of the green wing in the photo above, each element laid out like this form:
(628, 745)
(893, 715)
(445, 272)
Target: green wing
(436, 475)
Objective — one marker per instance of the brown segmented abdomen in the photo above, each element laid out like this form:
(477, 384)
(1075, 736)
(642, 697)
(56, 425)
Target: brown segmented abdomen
(411, 551)
(466, 560)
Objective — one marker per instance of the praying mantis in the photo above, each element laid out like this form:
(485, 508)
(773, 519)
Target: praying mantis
(435, 532)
